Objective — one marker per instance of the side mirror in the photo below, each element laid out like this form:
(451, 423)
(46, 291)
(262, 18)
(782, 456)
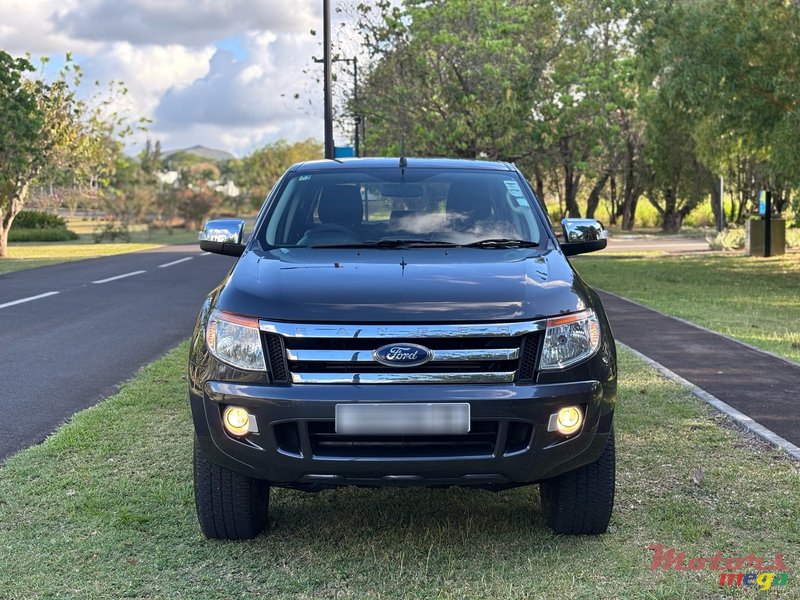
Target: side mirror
(582, 236)
(223, 236)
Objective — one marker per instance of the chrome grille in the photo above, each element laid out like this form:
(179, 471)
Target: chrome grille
(343, 354)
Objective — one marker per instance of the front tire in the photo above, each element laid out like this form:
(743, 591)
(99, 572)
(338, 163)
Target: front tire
(230, 506)
(580, 502)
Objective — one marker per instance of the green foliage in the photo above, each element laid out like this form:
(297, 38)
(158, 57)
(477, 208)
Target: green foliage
(727, 239)
(598, 99)
(257, 173)
(24, 136)
(48, 136)
(793, 238)
(39, 234)
(29, 219)
(111, 232)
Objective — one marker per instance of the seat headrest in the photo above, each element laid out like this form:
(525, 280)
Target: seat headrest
(469, 201)
(341, 205)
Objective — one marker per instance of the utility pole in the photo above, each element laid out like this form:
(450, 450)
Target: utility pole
(326, 43)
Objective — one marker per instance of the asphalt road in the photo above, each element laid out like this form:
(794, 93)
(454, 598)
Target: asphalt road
(71, 333)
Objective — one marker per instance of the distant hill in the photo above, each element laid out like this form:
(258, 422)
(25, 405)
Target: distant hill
(202, 152)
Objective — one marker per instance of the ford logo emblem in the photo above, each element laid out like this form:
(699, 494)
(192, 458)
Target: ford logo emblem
(402, 355)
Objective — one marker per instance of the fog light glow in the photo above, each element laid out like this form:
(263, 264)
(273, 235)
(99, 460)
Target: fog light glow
(236, 420)
(566, 421)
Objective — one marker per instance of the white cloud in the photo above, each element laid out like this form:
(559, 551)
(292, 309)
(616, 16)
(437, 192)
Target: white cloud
(243, 101)
(186, 22)
(222, 73)
(27, 26)
(147, 71)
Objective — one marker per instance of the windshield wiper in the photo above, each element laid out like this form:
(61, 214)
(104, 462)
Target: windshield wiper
(399, 243)
(502, 243)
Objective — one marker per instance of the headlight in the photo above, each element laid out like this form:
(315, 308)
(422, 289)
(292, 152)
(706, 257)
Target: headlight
(235, 340)
(569, 340)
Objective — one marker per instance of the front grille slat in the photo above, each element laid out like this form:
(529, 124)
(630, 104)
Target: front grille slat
(461, 354)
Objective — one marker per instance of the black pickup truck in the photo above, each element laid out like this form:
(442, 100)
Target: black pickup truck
(402, 322)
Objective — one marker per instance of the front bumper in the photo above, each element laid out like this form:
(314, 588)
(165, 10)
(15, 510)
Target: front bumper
(296, 447)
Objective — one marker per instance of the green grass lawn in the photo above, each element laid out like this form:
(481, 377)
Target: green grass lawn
(35, 254)
(755, 300)
(104, 508)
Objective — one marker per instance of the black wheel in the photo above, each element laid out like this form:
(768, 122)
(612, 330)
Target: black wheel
(230, 506)
(580, 502)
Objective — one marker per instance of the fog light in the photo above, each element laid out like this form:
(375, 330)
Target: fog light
(238, 421)
(566, 421)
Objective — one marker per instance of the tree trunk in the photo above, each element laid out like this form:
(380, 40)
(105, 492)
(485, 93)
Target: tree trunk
(612, 196)
(3, 242)
(571, 192)
(715, 205)
(672, 216)
(594, 195)
(7, 218)
(672, 221)
(540, 188)
(630, 194)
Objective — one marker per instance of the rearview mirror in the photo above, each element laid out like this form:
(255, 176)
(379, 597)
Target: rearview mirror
(582, 236)
(223, 236)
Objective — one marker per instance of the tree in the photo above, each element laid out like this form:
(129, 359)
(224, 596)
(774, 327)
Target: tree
(257, 173)
(455, 78)
(729, 70)
(39, 124)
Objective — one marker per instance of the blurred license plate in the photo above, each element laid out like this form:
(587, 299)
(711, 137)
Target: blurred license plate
(402, 419)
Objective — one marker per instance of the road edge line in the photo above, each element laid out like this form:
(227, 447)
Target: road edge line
(736, 416)
(706, 329)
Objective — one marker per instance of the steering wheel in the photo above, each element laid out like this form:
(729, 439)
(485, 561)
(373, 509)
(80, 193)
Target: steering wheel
(328, 234)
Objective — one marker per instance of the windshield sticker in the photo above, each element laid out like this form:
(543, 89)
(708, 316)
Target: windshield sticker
(305, 177)
(513, 187)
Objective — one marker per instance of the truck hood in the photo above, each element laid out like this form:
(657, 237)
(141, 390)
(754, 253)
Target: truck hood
(402, 285)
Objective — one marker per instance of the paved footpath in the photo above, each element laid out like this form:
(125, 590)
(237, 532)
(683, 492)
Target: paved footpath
(762, 386)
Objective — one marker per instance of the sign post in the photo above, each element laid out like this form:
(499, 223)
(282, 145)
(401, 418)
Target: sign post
(767, 224)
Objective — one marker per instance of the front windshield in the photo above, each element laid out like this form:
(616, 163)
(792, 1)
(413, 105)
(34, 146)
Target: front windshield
(385, 206)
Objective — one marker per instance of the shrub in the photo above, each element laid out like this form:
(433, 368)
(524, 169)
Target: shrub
(793, 237)
(18, 234)
(29, 219)
(728, 239)
(111, 232)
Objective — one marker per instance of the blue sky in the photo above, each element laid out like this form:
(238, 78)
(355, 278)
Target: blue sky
(219, 73)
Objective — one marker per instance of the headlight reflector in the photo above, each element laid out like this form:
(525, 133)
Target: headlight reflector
(235, 340)
(569, 340)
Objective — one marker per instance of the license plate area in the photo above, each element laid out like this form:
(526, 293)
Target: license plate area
(445, 418)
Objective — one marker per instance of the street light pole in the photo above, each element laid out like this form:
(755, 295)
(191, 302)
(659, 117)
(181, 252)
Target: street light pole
(326, 43)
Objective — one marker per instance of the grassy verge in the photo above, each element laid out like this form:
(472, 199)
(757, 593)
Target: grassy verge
(755, 300)
(29, 255)
(104, 508)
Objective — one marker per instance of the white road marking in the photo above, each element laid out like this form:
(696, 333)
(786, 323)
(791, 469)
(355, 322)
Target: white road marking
(175, 262)
(20, 301)
(119, 277)
(205, 253)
